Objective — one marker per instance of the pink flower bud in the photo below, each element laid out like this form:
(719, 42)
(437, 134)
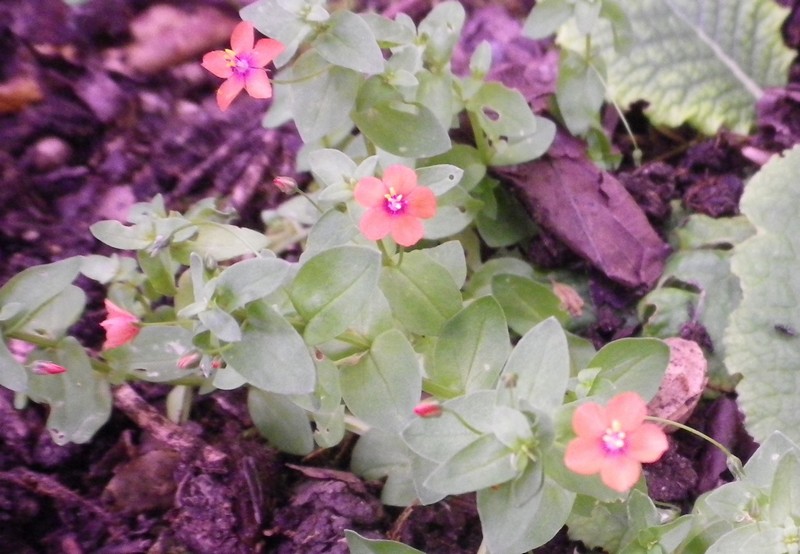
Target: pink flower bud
(428, 408)
(43, 367)
(287, 185)
(189, 361)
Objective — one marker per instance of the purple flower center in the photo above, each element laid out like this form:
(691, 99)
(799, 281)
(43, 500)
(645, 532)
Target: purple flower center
(241, 64)
(614, 438)
(395, 203)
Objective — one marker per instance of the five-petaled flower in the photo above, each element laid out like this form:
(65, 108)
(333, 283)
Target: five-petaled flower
(120, 325)
(396, 205)
(614, 441)
(242, 65)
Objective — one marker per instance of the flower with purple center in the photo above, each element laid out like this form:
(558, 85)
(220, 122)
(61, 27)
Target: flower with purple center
(396, 205)
(614, 441)
(242, 65)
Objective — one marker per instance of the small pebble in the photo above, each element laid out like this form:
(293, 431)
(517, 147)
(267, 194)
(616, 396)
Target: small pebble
(50, 153)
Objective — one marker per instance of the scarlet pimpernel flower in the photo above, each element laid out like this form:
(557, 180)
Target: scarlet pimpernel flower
(396, 205)
(120, 325)
(44, 367)
(614, 441)
(242, 65)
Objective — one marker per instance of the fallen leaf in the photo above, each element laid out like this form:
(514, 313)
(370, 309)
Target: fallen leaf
(591, 212)
(19, 92)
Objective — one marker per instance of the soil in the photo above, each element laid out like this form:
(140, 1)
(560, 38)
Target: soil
(104, 105)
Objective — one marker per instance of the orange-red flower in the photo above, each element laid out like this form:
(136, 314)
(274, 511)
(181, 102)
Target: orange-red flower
(396, 205)
(614, 441)
(121, 326)
(242, 65)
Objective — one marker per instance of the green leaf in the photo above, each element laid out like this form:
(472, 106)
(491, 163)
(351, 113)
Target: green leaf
(421, 292)
(483, 463)
(439, 178)
(160, 269)
(272, 355)
(249, 280)
(279, 20)
(540, 364)
(12, 374)
(331, 289)
(579, 93)
(54, 318)
(632, 364)
(705, 63)
(526, 302)
(220, 242)
(768, 268)
(331, 167)
(380, 454)
(450, 255)
(439, 31)
(122, 237)
(153, 355)
(503, 221)
(511, 526)
(471, 350)
(463, 420)
(280, 421)
(545, 18)
(322, 96)
(347, 41)
(333, 229)
(221, 324)
(79, 399)
(383, 387)
(359, 545)
(405, 129)
(34, 287)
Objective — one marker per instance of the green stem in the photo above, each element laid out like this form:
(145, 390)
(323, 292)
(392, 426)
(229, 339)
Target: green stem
(735, 464)
(355, 425)
(480, 138)
(637, 152)
(311, 200)
(387, 258)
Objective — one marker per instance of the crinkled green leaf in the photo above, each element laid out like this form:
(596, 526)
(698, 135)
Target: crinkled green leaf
(331, 289)
(705, 63)
(761, 339)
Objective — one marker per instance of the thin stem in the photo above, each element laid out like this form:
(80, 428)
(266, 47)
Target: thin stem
(355, 425)
(735, 464)
(387, 258)
(637, 152)
(311, 200)
(480, 138)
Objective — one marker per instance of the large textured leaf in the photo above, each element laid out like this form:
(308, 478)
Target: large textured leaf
(761, 339)
(705, 63)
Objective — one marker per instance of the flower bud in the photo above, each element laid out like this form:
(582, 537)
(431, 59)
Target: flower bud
(287, 185)
(428, 408)
(189, 361)
(44, 367)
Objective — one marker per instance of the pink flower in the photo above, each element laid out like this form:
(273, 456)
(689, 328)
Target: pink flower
(121, 326)
(286, 185)
(42, 367)
(429, 407)
(242, 65)
(396, 205)
(614, 441)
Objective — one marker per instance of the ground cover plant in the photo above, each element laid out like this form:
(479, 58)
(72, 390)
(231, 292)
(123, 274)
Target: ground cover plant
(445, 271)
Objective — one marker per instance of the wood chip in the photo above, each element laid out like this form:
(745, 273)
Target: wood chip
(683, 383)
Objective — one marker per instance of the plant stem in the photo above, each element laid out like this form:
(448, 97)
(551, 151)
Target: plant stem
(734, 463)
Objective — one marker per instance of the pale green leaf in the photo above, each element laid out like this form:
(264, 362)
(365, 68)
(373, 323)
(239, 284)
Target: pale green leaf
(272, 355)
(511, 526)
(705, 63)
(384, 386)
(220, 242)
(381, 454)
(79, 399)
(471, 350)
(283, 423)
(12, 374)
(405, 129)
(331, 289)
(760, 339)
(421, 292)
(360, 545)
(525, 301)
(347, 41)
(249, 280)
(153, 355)
(483, 463)
(632, 364)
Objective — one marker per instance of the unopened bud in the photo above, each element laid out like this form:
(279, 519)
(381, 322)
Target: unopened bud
(43, 367)
(286, 185)
(189, 361)
(428, 408)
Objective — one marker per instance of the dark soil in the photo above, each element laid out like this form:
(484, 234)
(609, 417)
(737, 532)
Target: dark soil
(97, 112)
